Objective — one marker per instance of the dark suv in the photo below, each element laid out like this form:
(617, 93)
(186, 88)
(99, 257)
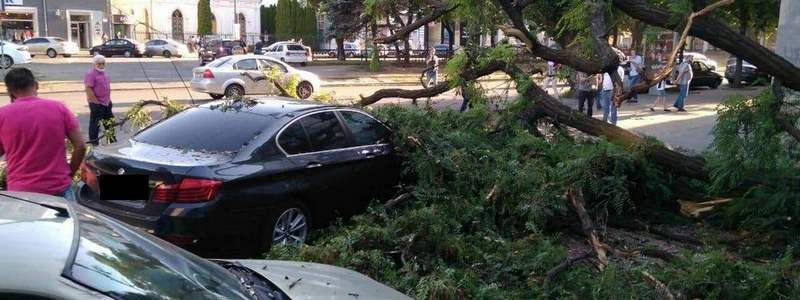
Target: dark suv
(214, 49)
(243, 175)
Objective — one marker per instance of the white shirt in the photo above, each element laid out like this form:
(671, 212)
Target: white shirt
(607, 83)
(636, 63)
(551, 68)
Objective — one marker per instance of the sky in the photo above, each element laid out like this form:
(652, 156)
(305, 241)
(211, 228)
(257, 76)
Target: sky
(268, 2)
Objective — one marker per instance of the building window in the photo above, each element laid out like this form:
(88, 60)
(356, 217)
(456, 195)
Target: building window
(177, 25)
(16, 27)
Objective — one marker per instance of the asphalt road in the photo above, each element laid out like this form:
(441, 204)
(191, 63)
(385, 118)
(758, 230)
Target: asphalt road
(122, 69)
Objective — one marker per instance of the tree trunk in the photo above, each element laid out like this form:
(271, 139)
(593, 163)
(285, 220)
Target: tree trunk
(340, 49)
(637, 35)
(407, 44)
(737, 76)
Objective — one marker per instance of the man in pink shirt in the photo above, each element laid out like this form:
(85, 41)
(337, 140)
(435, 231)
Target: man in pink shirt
(98, 94)
(32, 133)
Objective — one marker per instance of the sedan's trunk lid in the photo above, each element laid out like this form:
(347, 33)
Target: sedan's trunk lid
(161, 165)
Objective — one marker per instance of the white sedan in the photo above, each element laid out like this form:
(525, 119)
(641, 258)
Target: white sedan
(238, 75)
(11, 54)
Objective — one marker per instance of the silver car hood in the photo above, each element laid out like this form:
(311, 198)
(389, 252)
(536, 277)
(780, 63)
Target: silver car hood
(303, 280)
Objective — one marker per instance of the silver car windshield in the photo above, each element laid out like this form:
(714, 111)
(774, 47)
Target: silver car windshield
(122, 263)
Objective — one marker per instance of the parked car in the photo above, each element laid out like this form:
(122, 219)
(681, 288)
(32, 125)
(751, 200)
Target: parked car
(124, 47)
(57, 249)
(750, 73)
(215, 49)
(166, 48)
(244, 174)
(703, 75)
(350, 50)
(289, 52)
(235, 76)
(696, 56)
(11, 54)
(51, 46)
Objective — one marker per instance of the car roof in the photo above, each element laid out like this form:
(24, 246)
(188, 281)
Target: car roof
(36, 240)
(278, 106)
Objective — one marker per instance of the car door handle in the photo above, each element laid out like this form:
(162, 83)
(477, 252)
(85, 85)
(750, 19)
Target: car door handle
(313, 165)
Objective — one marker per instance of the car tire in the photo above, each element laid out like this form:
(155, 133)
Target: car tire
(716, 84)
(91, 53)
(303, 64)
(51, 53)
(304, 90)
(216, 96)
(127, 53)
(6, 61)
(166, 54)
(234, 91)
(67, 55)
(287, 224)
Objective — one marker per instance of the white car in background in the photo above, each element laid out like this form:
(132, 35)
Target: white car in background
(166, 48)
(289, 52)
(11, 54)
(238, 75)
(696, 56)
(51, 46)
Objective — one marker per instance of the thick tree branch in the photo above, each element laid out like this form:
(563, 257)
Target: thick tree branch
(718, 34)
(403, 32)
(665, 72)
(467, 75)
(606, 59)
(575, 197)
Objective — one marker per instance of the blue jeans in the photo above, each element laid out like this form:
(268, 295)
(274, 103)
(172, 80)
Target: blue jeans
(609, 108)
(68, 193)
(633, 80)
(684, 91)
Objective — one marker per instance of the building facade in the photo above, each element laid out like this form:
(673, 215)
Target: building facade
(177, 19)
(80, 21)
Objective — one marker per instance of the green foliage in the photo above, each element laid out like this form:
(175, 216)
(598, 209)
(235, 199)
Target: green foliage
(268, 15)
(296, 20)
(204, 17)
(139, 118)
(485, 187)
(346, 16)
(374, 60)
(750, 147)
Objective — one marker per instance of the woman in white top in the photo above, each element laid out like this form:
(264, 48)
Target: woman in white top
(661, 94)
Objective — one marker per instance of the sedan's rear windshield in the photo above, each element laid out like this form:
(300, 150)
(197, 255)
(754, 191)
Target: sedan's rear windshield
(296, 48)
(223, 129)
(232, 43)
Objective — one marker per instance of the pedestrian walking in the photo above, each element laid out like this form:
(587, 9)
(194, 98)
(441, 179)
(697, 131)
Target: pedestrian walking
(432, 63)
(98, 94)
(550, 81)
(635, 69)
(584, 86)
(606, 95)
(104, 37)
(684, 79)
(32, 138)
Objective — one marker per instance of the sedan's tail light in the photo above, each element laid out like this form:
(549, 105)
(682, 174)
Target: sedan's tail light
(208, 74)
(189, 190)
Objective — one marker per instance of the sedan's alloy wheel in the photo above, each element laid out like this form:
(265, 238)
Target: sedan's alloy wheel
(291, 228)
(127, 53)
(6, 62)
(304, 90)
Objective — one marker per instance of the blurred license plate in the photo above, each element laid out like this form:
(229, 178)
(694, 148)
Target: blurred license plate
(124, 187)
